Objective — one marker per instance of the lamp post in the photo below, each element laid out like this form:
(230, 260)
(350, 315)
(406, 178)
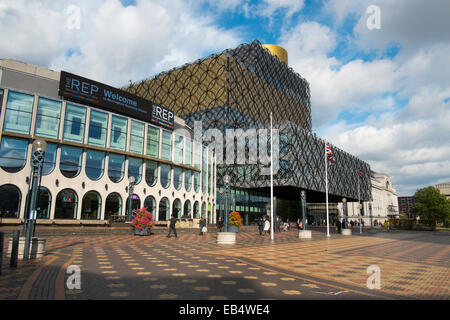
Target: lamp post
(130, 196)
(226, 181)
(221, 202)
(37, 160)
(344, 202)
(303, 200)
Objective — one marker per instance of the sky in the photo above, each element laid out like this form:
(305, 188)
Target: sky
(378, 70)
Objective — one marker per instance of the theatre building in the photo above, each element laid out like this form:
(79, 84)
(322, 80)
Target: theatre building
(97, 138)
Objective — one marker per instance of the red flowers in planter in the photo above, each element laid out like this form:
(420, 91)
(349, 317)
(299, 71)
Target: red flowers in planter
(143, 219)
(235, 219)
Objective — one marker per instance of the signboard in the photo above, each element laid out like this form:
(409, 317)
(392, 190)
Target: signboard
(85, 91)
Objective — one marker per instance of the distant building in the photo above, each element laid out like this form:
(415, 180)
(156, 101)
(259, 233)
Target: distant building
(405, 204)
(444, 188)
(383, 206)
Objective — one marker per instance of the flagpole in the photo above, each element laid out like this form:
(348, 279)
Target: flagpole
(271, 179)
(326, 188)
(359, 209)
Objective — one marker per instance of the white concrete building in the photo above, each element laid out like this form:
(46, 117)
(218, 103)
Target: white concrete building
(383, 206)
(444, 188)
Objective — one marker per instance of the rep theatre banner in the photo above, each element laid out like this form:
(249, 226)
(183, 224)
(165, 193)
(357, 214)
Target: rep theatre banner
(85, 91)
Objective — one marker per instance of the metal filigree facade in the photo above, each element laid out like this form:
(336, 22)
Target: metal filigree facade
(239, 88)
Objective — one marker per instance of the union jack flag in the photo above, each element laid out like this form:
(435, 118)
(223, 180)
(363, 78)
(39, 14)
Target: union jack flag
(329, 152)
(360, 173)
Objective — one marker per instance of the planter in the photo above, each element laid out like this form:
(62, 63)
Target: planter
(37, 248)
(226, 237)
(142, 232)
(305, 234)
(233, 228)
(346, 232)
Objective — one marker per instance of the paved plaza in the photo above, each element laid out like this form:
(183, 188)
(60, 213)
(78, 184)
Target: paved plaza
(413, 265)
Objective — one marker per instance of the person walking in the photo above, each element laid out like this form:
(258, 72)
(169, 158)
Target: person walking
(352, 223)
(220, 224)
(173, 221)
(202, 225)
(338, 226)
(267, 226)
(260, 225)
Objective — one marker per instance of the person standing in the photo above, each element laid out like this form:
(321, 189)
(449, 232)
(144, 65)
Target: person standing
(267, 226)
(220, 224)
(260, 225)
(202, 225)
(338, 226)
(173, 221)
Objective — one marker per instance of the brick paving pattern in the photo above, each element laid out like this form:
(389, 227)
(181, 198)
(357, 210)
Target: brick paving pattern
(413, 265)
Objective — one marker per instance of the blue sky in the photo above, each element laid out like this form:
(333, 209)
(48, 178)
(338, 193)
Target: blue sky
(380, 94)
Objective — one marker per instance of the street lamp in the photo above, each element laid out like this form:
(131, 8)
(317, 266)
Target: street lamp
(37, 160)
(226, 181)
(344, 201)
(130, 196)
(221, 203)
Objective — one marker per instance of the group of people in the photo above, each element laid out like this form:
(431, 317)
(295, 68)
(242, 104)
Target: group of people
(343, 225)
(173, 221)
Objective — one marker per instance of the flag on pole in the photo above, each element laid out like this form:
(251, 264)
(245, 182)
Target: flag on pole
(330, 155)
(360, 173)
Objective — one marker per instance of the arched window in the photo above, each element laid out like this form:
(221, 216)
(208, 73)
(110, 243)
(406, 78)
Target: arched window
(196, 181)
(116, 167)
(43, 204)
(13, 154)
(187, 209)
(165, 175)
(10, 197)
(135, 169)
(203, 210)
(95, 164)
(70, 163)
(164, 207)
(135, 204)
(196, 210)
(49, 159)
(91, 206)
(177, 177)
(176, 209)
(66, 204)
(188, 180)
(113, 205)
(150, 204)
(151, 172)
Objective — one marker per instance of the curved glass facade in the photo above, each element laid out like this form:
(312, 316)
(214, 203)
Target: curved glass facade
(187, 180)
(165, 170)
(49, 159)
(116, 167)
(135, 169)
(177, 177)
(95, 164)
(150, 204)
(13, 154)
(70, 163)
(151, 172)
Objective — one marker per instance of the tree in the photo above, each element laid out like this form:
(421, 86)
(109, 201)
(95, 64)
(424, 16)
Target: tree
(431, 205)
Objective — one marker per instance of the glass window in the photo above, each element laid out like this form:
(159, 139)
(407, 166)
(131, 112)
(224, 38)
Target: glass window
(19, 109)
(177, 177)
(196, 210)
(137, 137)
(187, 209)
(95, 164)
(91, 206)
(70, 163)
(164, 209)
(188, 180)
(165, 175)
(47, 118)
(153, 142)
(196, 181)
(66, 205)
(113, 205)
(98, 127)
(49, 158)
(204, 170)
(178, 152)
(119, 128)
(10, 201)
(74, 123)
(44, 203)
(166, 145)
(13, 154)
(197, 155)
(176, 208)
(188, 153)
(1, 100)
(116, 167)
(150, 204)
(151, 172)
(135, 169)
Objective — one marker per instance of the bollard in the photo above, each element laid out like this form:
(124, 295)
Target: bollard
(14, 249)
(1, 252)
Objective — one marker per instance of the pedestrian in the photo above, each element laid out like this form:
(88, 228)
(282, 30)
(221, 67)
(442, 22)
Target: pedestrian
(267, 226)
(362, 223)
(220, 224)
(338, 226)
(173, 221)
(260, 225)
(202, 225)
(298, 223)
(352, 223)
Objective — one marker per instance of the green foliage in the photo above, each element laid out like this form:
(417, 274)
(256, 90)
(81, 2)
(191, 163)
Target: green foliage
(431, 205)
